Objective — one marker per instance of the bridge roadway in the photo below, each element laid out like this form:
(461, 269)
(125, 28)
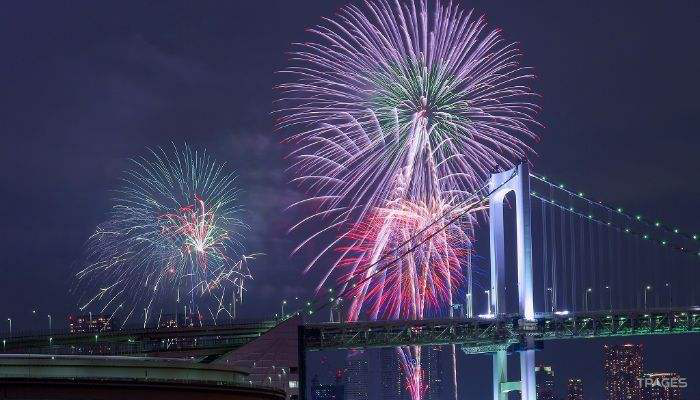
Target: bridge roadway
(474, 335)
(485, 335)
(201, 339)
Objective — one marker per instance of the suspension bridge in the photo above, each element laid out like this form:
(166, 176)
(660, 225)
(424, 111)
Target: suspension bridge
(562, 266)
(576, 268)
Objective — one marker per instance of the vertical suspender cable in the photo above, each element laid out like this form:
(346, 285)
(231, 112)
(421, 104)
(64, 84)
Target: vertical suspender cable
(545, 265)
(555, 303)
(611, 260)
(639, 273)
(573, 261)
(591, 266)
(659, 278)
(620, 263)
(582, 254)
(601, 265)
(562, 230)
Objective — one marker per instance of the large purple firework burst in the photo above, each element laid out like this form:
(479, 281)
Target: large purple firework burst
(402, 101)
(410, 102)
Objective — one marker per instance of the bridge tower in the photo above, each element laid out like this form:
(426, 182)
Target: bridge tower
(516, 180)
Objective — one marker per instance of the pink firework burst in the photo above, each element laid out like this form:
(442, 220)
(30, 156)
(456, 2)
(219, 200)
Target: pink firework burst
(400, 111)
(394, 285)
(195, 228)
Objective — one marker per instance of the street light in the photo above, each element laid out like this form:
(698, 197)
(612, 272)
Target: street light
(646, 290)
(283, 303)
(670, 299)
(609, 296)
(551, 299)
(586, 297)
(49, 322)
(10, 321)
(488, 301)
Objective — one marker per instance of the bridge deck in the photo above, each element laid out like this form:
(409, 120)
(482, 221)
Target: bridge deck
(203, 339)
(478, 335)
(475, 335)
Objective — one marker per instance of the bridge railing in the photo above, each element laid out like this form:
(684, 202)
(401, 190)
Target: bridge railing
(130, 330)
(140, 341)
(484, 335)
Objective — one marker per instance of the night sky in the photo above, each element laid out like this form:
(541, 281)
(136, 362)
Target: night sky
(86, 85)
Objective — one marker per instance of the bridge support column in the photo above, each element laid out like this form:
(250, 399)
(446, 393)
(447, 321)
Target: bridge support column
(516, 180)
(500, 374)
(527, 375)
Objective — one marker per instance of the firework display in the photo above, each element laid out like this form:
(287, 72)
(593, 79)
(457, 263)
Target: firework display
(412, 285)
(400, 111)
(172, 243)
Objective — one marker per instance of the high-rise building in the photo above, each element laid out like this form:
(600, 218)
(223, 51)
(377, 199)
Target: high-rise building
(431, 360)
(90, 323)
(623, 367)
(356, 372)
(176, 320)
(391, 375)
(574, 389)
(544, 376)
(321, 391)
(662, 386)
(393, 379)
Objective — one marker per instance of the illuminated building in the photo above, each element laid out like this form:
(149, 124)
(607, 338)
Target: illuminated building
(545, 382)
(574, 389)
(356, 370)
(391, 375)
(623, 367)
(90, 323)
(662, 386)
(432, 368)
(320, 391)
(176, 320)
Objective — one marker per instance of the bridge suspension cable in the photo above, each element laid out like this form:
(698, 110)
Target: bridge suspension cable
(475, 201)
(595, 256)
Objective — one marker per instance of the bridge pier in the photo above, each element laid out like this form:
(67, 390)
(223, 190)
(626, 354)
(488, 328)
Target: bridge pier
(500, 374)
(516, 180)
(527, 375)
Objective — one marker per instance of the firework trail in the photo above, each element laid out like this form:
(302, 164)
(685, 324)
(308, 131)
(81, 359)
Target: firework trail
(173, 241)
(401, 110)
(412, 286)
